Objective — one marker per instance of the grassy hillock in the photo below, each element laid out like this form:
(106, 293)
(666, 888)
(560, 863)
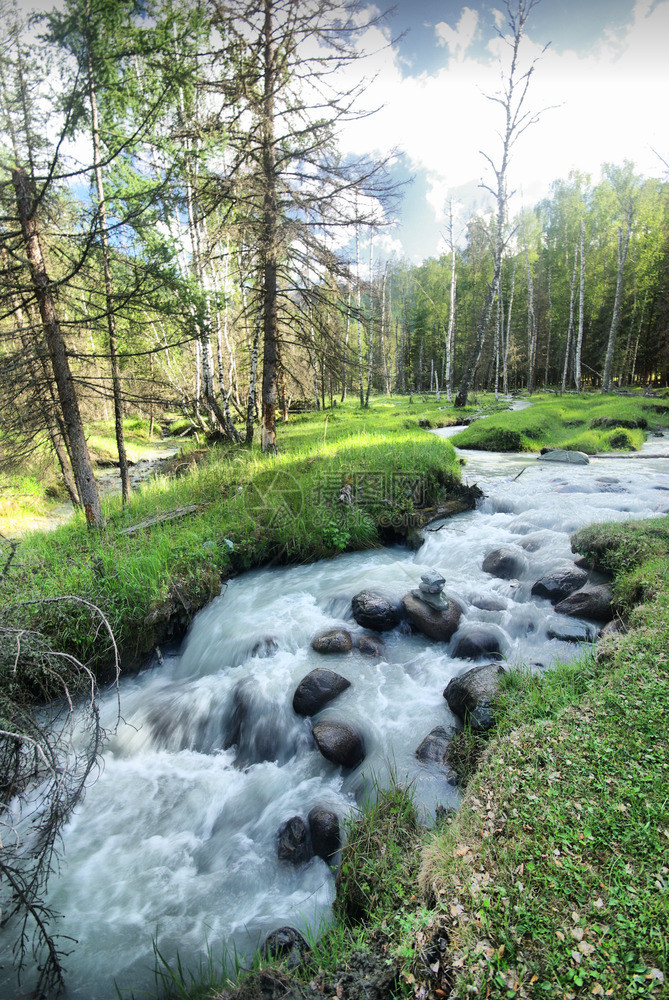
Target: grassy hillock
(588, 423)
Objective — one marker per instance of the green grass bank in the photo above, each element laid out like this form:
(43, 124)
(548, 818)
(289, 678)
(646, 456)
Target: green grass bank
(591, 423)
(238, 509)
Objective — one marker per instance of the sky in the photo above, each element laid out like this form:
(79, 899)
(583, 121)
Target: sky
(603, 80)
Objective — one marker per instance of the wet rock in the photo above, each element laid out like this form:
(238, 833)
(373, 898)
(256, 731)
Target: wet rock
(414, 539)
(256, 728)
(521, 527)
(478, 642)
(559, 455)
(288, 944)
(532, 543)
(561, 581)
(574, 488)
(370, 645)
(439, 625)
(325, 833)
(265, 648)
(431, 583)
(590, 602)
(376, 611)
(505, 563)
(471, 695)
(488, 604)
(568, 633)
(335, 640)
(339, 742)
(294, 845)
(433, 748)
(317, 689)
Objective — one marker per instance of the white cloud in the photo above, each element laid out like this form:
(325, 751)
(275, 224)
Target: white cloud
(460, 38)
(605, 107)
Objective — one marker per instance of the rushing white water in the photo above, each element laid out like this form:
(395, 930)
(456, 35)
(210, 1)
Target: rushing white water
(176, 839)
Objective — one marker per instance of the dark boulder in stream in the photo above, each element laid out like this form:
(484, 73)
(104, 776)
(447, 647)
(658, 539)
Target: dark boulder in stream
(335, 640)
(294, 843)
(470, 696)
(339, 742)
(478, 642)
(374, 610)
(325, 834)
(590, 602)
(285, 943)
(317, 689)
(438, 624)
(508, 564)
(433, 748)
(562, 580)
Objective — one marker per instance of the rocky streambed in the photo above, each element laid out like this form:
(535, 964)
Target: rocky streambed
(217, 815)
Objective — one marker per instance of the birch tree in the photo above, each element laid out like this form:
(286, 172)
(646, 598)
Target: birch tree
(512, 99)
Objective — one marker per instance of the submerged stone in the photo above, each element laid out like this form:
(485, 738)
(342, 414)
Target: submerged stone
(561, 455)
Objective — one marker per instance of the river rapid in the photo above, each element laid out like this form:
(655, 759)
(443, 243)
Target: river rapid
(176, 840)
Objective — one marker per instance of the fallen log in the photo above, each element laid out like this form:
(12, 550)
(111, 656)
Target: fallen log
(170, 515)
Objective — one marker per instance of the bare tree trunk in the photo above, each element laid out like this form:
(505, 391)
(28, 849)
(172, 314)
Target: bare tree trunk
(109, 288)
(623, 243)
(81, 461)
(531, 322)
(359, 324)
(498, 338)
(251, 405)
(370, 358)
(313, 356)
(550, 328)
(385, 351)
(512, 98)
(581, 313)
(348, 330)
(450, 334)
(507, 335)
(270, 238)
(570, 328)
(638, 337)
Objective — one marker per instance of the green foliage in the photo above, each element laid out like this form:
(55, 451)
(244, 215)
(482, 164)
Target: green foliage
(464, 753)
(375, 872)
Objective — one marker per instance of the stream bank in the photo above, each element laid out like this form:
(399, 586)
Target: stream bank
(177, 822)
